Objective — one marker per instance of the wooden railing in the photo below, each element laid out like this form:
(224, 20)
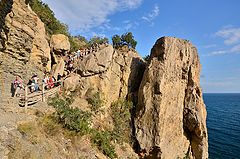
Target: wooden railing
(31, 98)
(40, 95)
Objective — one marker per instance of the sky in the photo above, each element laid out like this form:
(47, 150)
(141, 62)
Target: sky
(213, 26)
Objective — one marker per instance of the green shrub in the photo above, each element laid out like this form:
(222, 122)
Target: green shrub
(73, 119)
(102, 139)
(121, 115)
(95, 101)
(98, 40)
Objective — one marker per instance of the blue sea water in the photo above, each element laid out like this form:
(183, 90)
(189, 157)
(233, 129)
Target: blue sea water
(223, 124)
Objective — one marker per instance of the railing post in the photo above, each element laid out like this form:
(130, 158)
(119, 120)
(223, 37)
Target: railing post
(43, 97)
(26, 98)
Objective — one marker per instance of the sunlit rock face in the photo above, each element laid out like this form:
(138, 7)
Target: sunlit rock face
(24, 48)
(170, 120)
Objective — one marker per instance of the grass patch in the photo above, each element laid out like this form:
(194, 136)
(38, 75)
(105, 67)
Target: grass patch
(50, 125)
(27, 128)
(30, 131)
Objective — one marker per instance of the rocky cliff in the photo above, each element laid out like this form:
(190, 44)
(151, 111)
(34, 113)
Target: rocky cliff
(115, 73)
(24, 46)
(170, 120)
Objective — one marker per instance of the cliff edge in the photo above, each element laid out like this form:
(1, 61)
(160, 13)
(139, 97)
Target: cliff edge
(170, 120)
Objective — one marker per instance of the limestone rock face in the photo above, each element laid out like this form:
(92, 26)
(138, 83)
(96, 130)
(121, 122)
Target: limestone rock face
(60, 46)
(170, 120)
(40, 53)
(96, 63)
(115, 73)
(71, 83)
(23, 46)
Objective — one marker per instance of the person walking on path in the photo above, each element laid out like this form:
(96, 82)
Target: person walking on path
(18, 85)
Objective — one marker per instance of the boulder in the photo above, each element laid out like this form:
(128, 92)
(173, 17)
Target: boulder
(70, 84)
(170, 120)
(60, 46)
(97, 62)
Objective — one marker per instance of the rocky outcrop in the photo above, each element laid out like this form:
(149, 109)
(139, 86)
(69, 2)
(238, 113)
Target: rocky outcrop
(170, 120)
(60, 46)
(71, 83)
(40, 54)
(96, 63)
(23, 46)
(116, 73)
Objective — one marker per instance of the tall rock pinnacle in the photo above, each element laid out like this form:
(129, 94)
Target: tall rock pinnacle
(170, 120)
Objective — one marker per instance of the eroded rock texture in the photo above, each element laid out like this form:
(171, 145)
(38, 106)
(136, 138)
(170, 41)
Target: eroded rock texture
(60, 46)
(116, 73)
(170, 120)
(24, 48)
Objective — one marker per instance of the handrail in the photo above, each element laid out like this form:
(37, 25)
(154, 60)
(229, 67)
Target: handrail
(51, 91)
(42, 93)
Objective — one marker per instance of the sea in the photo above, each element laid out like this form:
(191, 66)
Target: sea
(223, 124)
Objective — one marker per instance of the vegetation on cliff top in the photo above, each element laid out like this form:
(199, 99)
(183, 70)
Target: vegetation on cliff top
(54, 26)
(125, 39)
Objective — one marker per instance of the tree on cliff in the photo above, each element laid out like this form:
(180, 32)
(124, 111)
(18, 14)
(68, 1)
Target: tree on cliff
(125, 39)
(82, 38)
(116, 40)
(97, 40)
(47, 16)
(51, 23)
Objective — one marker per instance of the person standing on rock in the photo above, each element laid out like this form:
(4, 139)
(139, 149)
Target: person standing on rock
(18, 85)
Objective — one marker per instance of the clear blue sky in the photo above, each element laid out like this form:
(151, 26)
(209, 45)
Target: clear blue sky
(211, 25)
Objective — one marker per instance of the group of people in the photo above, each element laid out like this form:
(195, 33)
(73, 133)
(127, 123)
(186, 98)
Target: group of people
(79, 54)
(50, 80)
(86, 51)
(69, 64)
(34, 83)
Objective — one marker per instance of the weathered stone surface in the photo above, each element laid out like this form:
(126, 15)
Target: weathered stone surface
(115, 73)
(24, 49)
(40, 54)
(171, 116)
(96, 62)
(60, 46)
(71, 83)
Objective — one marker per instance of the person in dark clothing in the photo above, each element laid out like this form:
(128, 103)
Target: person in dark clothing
(59, 77)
